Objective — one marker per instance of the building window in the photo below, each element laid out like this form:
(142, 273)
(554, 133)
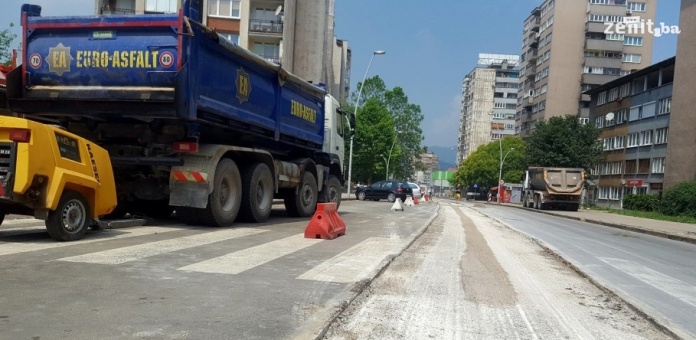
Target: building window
(269, 51)
(544, 88)
(633, 41)
(599, 122)
(160, 6)
(615, 36)
(547, 55)
(631, 58)
(224, 8)
(602, 98)
(233, 37)
(625, 90)
(633, 139)
(648, 110)
(646, 137)
(613, 94)
(665, 106)
(622, 116)
(636, 6)
(661, 135)
(658, 165)
(584, 121)
(635, 113)
(619, 142)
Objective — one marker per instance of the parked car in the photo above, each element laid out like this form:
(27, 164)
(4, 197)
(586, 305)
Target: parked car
(416, 190)
(389, 190)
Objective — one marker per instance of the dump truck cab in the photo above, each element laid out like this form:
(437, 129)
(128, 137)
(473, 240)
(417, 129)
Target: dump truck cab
(53, 175)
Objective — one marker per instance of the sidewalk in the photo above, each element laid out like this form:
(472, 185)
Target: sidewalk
(684, 232)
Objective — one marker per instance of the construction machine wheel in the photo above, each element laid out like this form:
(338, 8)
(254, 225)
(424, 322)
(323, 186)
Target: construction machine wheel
(303, 202)
(225, 200)
(257, 193)
(71, 219)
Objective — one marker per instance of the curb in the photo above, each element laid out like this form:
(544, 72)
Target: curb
(656, 233)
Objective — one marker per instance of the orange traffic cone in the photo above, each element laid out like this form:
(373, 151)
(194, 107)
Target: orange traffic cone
(415, 200)
(326, 223)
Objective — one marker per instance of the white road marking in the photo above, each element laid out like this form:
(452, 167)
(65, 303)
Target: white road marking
(140, 251)
(22, 221)
(356, 263)
(237, 262)
(679, 289)
(9, 248)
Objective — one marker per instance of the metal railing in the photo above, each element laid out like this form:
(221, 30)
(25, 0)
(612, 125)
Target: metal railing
(266, 26)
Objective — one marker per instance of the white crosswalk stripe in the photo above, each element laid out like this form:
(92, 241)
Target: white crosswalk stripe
(237, 262)
(22, 246)
(137, 252)
(356, 263)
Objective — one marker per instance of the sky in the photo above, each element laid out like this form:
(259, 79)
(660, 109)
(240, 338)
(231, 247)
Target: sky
(430, 45)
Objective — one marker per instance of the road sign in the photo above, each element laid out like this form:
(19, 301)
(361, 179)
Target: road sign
(475, 185)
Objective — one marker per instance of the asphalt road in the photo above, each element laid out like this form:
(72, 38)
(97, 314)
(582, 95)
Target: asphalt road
(169, 281)
(654, 274)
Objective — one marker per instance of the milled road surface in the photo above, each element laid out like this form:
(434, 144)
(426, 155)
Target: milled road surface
(469, 277)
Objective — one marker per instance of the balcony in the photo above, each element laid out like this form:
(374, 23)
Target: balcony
(604, 45)
(602, 62)
(606, 9)
(596, 27)
(597, 79)
(265, 26)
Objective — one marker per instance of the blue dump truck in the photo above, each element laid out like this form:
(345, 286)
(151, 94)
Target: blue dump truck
(192, 122)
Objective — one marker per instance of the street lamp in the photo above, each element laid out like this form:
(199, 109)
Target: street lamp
(355, 115)
(500, 173)
(390, 153)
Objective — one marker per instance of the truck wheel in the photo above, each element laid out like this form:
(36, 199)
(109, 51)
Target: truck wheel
(226, 198)
(304, 202)
(331, 193)
(257, 193)
(70, 220)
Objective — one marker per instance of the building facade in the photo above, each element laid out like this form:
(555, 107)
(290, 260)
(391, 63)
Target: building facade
(573, 46)
(296, 34)
(633, 113)
(681, 159)
(489, 99)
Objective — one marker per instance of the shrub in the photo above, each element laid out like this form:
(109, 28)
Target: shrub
(680, 200)
(641, 202)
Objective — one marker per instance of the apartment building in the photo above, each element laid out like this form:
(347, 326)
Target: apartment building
(573, 46)
(430, 165)
(633, 113)
(681, 159)
(296, 34)
(489, 100)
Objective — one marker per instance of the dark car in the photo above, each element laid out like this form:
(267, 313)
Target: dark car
(389, 190)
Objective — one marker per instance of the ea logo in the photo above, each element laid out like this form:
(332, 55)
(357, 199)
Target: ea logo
(243, 85)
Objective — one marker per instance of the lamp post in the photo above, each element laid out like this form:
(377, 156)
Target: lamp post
(355, 115)
(500, 173)
(390, 153)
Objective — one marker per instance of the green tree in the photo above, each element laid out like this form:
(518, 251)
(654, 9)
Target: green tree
(564, 142)
(374, 136)
(482, 166)
(406, 118)
(6, 38)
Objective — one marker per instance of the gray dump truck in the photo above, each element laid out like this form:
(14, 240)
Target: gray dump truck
(553, 188)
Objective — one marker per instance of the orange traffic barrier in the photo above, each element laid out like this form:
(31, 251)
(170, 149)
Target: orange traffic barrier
(326, 223)
(415, 200)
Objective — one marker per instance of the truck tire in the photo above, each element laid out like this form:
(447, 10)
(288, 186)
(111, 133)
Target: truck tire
(71, 219)
(226, 198)
(303, 203)
(331, 193)
(2, 217)
(257, 193)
